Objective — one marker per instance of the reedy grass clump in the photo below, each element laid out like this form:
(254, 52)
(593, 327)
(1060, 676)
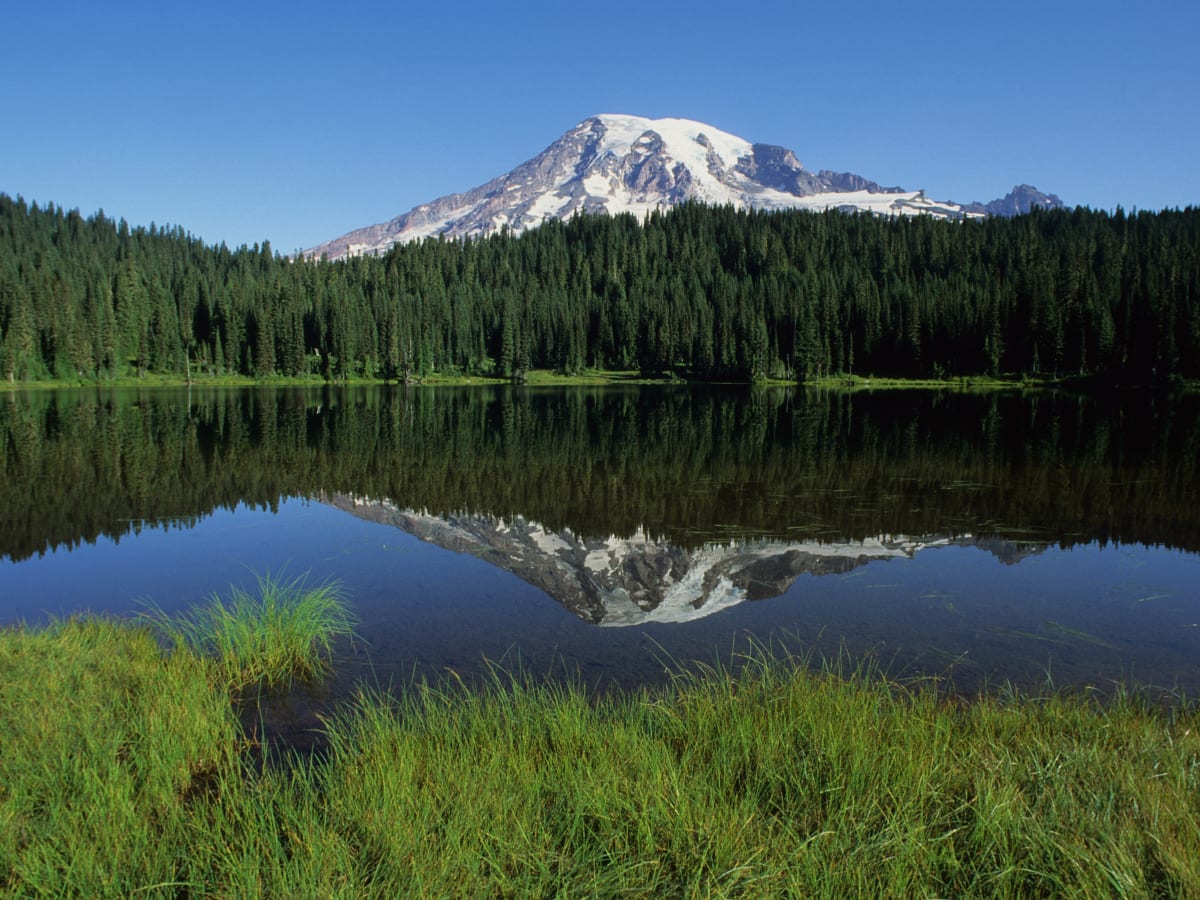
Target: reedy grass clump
(284, 632)
(776, 781)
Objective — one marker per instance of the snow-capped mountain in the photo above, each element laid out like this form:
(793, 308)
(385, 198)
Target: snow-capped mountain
(617, 163)
(619, 581)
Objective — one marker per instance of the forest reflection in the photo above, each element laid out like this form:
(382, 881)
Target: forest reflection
(684, 465)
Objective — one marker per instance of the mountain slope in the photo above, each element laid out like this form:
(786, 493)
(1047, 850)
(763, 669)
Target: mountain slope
(616, 163)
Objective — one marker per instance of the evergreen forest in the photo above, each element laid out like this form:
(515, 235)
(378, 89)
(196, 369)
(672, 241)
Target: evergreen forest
(697, 292)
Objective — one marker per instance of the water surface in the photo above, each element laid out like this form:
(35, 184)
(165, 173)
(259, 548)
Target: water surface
(608, 532)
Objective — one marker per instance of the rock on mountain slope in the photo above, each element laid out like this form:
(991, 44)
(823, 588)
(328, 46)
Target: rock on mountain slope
(1016, 202)
(614, 164)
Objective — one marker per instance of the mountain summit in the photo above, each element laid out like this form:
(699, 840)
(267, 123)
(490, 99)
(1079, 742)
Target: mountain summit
(615, 164)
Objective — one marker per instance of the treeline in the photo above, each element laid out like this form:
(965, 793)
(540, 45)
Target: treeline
(696, 291)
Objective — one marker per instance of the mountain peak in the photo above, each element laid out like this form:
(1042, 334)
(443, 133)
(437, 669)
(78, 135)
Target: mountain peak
(614, 163)
(1021, 199)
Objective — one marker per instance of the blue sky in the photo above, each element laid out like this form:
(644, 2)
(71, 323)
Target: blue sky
(296, 123)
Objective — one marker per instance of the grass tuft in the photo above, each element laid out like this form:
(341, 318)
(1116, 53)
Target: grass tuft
(285, 631)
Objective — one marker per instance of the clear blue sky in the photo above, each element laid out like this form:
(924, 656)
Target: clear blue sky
(297, 122)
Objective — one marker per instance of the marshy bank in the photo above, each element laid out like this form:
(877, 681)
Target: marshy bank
(124, 771)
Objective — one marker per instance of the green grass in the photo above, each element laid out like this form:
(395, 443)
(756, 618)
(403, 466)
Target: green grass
(155, 380)
(772, 783)
(282, 632)
(109, 749)
(123, 773)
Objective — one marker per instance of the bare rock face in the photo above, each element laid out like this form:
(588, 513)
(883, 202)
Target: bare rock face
(848, 181)
(1020, 200)
(614, 164)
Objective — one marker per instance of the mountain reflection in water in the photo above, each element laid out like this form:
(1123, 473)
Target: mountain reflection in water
(629, 581)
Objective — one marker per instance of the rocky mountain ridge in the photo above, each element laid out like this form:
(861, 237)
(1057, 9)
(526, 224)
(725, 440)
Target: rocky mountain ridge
(617, 163)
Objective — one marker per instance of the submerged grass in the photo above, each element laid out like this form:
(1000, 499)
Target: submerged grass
(775, 781)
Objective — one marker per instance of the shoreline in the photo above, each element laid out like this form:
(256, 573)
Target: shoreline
(607, 378)
(777, 780)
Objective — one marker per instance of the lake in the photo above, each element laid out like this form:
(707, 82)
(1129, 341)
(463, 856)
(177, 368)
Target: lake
(610, 534)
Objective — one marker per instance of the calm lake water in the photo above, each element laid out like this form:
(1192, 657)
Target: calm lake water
(979, 539)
